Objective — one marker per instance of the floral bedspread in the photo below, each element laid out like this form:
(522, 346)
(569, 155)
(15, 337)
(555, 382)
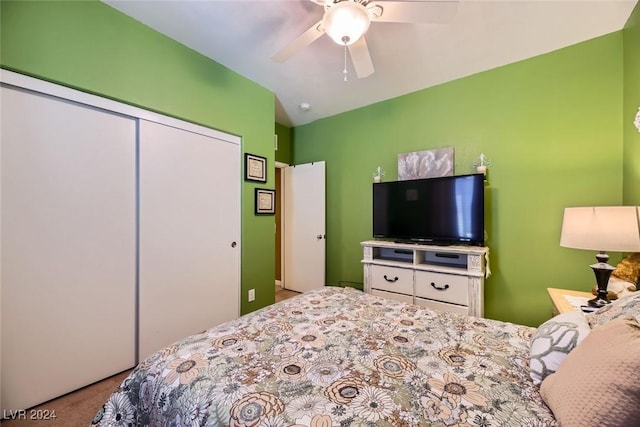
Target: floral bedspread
(337, 357)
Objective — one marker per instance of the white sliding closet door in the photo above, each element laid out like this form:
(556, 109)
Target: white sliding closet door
(67, 246)
(189, 234)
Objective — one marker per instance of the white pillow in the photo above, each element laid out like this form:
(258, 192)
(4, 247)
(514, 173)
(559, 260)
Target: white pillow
(552, 342)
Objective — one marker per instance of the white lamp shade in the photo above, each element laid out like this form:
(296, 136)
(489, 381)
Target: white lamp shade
(601, 228)
(346, 22)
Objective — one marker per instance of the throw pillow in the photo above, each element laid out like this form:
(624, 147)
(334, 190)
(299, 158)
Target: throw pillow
(628, 305)
(598, 384)
(629, 268)
(552, 342)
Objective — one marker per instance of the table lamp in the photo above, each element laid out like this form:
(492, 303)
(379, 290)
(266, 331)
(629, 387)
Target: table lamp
(601, 228)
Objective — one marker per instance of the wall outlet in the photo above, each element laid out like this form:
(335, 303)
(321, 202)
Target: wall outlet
(252, 295)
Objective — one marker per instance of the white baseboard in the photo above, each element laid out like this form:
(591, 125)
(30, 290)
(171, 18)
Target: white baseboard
(278, 285)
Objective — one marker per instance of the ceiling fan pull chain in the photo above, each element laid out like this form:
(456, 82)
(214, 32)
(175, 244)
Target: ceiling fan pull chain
(344, 71)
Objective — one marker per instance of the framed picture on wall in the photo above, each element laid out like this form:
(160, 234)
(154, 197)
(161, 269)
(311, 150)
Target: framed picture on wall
(265, 203)
(426, 164)
(255, 168)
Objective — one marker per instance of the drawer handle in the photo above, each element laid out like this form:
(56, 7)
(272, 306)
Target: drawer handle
(395, 279)
(438, 288)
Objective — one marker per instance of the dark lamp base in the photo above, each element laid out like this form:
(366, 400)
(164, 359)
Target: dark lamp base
(602, 271)
(598, 302)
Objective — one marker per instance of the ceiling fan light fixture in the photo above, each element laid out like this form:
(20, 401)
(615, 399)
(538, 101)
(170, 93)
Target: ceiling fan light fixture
(345, 22)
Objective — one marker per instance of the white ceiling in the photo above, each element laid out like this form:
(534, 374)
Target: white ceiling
(483, 34)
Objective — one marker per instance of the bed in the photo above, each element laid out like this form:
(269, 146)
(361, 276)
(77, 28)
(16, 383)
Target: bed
(338, 357)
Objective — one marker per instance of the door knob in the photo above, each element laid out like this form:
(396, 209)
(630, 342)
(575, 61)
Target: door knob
(320, 236)
(233, 244)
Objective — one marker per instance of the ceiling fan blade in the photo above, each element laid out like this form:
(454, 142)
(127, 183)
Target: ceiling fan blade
(305, 39)
(361, 59)
(429, 12)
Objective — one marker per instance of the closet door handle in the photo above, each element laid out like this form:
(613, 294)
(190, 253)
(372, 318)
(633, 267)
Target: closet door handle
(439, 288)
(395, 279)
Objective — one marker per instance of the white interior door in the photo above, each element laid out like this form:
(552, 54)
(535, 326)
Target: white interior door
(304, 226)
(67, 246)
(189, 234)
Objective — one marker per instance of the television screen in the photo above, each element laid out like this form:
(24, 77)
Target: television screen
(444, 210)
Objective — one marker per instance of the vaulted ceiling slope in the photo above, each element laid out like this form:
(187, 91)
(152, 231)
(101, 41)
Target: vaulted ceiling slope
(482, 34)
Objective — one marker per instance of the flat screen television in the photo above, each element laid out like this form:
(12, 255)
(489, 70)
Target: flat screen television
(441, 211)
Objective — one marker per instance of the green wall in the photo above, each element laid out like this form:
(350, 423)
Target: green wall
(631, 158)
(551, 126)
(92, 47)
(283, 153)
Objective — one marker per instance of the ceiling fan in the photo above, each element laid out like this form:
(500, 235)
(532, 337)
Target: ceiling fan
(347, 21)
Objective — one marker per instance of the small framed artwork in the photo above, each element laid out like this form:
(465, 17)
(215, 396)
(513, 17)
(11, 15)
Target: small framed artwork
(265, 201)
(255, 168)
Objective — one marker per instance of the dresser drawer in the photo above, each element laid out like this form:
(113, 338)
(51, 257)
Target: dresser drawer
(441, 306)
(392, 279)
(443, 287)
(390, 295)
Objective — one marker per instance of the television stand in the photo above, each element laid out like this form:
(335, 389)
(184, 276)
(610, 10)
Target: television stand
(448, 278)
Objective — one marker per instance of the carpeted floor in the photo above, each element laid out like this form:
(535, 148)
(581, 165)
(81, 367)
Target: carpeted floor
(283, 294)
(77, 409)
(71, 410)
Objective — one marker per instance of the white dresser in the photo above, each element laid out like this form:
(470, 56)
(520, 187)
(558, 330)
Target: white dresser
(448, 278)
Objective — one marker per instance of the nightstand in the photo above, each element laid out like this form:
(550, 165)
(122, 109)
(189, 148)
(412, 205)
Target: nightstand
(565, 300)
